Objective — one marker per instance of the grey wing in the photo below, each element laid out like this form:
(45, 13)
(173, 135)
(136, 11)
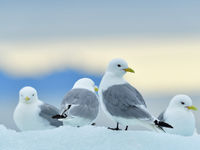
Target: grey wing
(136, 93)
(161, 116)
(124, 101)
(47, 112)
(83, 103)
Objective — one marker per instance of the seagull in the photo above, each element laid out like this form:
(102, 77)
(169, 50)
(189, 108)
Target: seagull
(122, 102)
(80, 106)
(179, 115)
(33, 114)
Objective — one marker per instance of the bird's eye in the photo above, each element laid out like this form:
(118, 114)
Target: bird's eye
(118, 65)
(182, 103)
(33, 95)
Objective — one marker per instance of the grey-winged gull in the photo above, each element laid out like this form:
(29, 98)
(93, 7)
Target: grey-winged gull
(80, 106)
(122, 102)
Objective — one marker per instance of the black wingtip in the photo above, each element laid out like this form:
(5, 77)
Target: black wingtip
(161, 128)
(162, 124)
(93, 124)
(59, 116)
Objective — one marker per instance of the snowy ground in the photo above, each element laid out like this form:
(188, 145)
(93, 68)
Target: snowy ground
(93, 138)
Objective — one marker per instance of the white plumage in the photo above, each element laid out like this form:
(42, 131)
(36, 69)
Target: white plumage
(32, 114)
(180, 116)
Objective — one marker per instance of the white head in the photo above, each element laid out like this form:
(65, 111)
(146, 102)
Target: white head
(28, 95)
(182, 102)
(118, 67)
(86, 83)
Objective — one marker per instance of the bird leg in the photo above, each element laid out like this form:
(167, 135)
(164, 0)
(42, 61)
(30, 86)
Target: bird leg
(126, 128)
(117, 128)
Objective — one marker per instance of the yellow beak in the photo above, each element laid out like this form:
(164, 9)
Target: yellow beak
(27, 98)
(129, 70)
(192, 108)
(96, 89)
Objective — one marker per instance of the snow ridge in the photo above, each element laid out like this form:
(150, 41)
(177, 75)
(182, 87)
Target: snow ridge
(94, 138)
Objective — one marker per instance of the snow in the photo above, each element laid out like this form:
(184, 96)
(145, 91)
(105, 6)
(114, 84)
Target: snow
(93, 138)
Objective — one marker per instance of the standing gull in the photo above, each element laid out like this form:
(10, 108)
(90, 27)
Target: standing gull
(80, 106)
(33, 114)
(122, 102)
(180, 116)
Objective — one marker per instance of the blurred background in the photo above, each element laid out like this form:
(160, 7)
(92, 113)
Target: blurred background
(50, 44)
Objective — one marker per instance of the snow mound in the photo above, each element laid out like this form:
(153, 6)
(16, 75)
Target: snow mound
(94, 138)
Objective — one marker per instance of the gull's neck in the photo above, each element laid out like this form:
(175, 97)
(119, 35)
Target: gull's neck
(109, 79)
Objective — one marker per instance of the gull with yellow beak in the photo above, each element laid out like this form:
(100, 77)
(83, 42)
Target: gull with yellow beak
(33, 114)
(80, 106)
(179, 115)
(122, 102)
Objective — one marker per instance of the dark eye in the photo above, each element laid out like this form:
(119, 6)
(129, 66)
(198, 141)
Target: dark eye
(33, 95)
(182, 103)
(118, 65)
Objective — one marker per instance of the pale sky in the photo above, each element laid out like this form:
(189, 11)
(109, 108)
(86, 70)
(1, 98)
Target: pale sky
(50, 19)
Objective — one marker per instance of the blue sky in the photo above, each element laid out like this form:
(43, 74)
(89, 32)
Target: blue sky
(51, 87)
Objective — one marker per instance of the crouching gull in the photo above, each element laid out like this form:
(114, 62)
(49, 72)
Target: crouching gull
(122, 102)
(33, 114)
(80, 106)
(180, 116)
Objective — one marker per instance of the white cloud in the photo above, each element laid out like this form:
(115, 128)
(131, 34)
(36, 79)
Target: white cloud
(166, 65)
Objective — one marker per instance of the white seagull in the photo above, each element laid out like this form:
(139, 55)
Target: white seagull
(33, 114)
(179, 115)
(122, 102)
(80, 106)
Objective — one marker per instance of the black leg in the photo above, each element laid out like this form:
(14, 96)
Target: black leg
(117, 128)
(126, 128)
